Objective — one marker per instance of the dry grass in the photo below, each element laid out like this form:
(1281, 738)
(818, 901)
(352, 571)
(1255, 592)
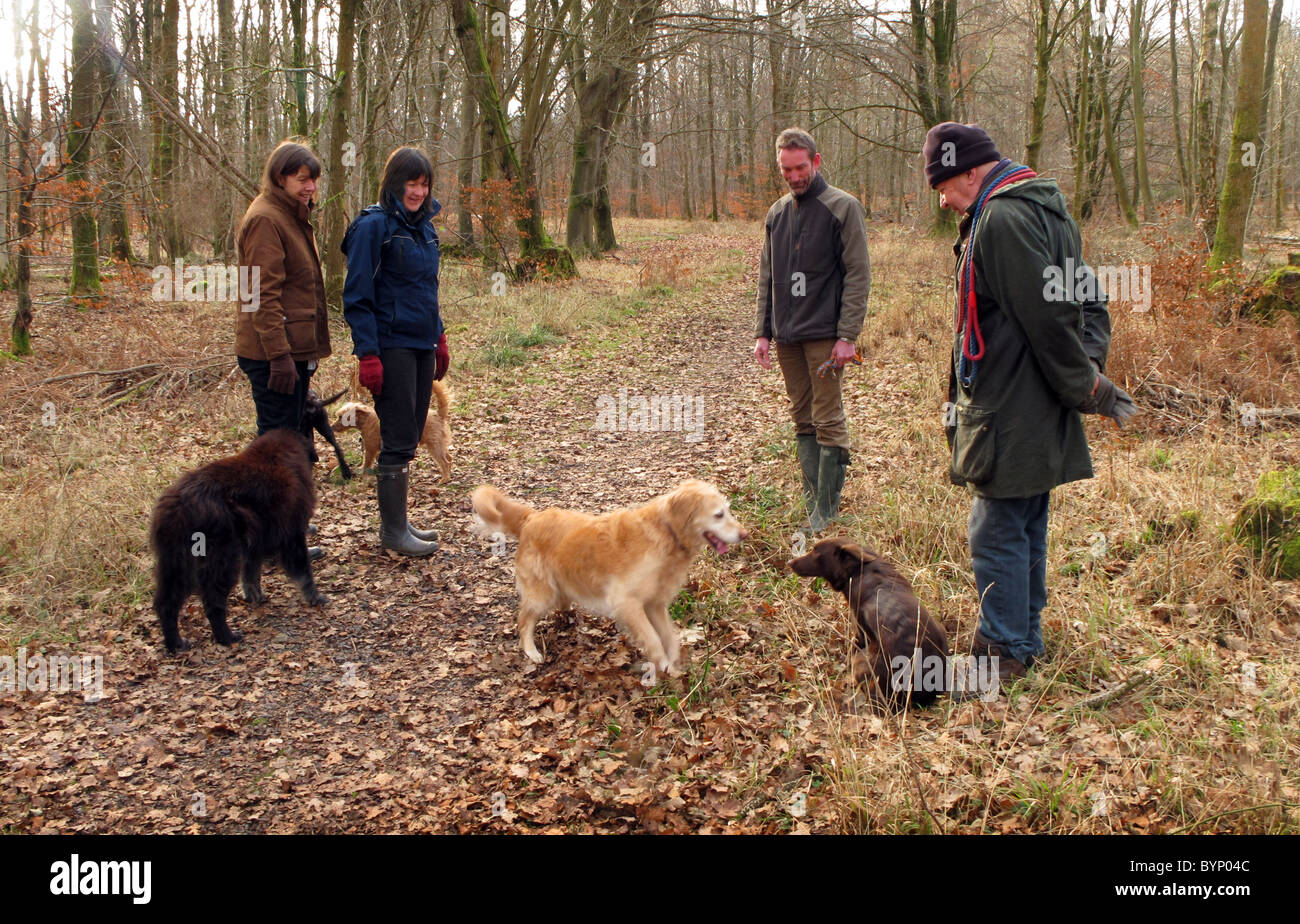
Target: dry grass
(1141, 574)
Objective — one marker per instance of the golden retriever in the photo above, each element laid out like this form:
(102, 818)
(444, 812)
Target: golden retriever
(627, 564)
(436, 436)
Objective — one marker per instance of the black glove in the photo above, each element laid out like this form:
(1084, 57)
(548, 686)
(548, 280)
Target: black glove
(1109, 400)
(283, 377)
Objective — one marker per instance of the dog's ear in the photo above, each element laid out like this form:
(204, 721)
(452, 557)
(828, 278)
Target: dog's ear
(852, 553)
(684, 504)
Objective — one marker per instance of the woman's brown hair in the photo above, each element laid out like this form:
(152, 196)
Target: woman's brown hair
(287, 159)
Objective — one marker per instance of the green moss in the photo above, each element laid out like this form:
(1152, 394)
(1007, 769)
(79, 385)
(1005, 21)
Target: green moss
(1280, 293)
(1269, 523)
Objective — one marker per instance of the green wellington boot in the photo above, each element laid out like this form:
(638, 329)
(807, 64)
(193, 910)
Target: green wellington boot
(832, 462)
(806, 443)
(394, 532)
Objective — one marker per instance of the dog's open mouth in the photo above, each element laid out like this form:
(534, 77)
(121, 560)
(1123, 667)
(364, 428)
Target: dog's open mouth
(718, 545)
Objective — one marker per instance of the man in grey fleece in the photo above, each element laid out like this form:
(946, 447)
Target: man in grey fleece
(812, 299)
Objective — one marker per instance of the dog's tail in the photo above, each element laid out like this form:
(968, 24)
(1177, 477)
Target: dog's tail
(496, 513)
(328, 401)
(442, 398)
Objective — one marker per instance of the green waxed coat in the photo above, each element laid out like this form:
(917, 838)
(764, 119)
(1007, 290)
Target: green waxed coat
(1015, 432)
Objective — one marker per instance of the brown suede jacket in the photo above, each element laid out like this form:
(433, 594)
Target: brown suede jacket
(288, 313)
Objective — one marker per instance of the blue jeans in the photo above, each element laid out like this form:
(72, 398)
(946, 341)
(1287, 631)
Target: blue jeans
(1008, 547)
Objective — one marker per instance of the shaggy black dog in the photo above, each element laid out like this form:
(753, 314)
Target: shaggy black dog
(217, 524)
(893, 627)
(316, 420)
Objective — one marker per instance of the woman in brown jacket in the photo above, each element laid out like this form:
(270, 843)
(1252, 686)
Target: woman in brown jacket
(282, 330)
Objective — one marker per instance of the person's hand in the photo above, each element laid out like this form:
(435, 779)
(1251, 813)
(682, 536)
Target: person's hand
(371, 374)
(442, 358)
(283, 377)
(843, 353)
(1109, 400)
(763, 352)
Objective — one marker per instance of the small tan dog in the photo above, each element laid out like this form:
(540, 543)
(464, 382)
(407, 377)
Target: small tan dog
(627, 564)
(436, 437)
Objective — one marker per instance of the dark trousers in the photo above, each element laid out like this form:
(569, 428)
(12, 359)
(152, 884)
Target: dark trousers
(403, 403)
(275, 409)
(1008, 547)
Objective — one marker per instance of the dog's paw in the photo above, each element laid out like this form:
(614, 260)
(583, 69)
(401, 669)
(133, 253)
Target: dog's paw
(670, 668)
(347, 473)
(253, 595)
(183, 644)
(317, 599)
(230, 637)
(532, 654)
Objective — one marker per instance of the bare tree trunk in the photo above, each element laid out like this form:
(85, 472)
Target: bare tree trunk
(223, 241)
(81, 128)
(1184, 177)
(465, 168)
(1103, 59)
(163, 73)
(1269, 146)
(1206, 142)
(934, 44)
(1050, 25)
(604, 71)
(712, 128)
(115, 236)
(1279, 195)
(538, 253)
(296, 75)
(339, 154)
(20, 332)
(1239, 179)
(1137, 66)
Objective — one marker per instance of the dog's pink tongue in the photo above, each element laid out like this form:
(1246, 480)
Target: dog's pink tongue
(718, 545)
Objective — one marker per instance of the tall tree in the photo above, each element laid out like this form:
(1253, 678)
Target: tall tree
(342, 157)
(1243, 159)
(81, 128)
(1205, 139)
(1184, 176)
(1052, 22)
(164, 16)
(1137, 40)
(296, 72)
(20, 108)
(115, 225)
(1104, 41)
(933, 47)
(603, 71)
(538, 253)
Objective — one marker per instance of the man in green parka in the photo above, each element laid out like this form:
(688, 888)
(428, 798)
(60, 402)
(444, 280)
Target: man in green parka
(1027, 360)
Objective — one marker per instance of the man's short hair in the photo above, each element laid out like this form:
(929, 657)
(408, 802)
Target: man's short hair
(796, 138)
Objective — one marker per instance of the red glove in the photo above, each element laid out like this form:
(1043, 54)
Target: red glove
(371, 374)
(442, 358)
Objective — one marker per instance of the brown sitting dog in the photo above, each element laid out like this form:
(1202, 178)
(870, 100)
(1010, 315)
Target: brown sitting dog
(436, 437)
(899, 643)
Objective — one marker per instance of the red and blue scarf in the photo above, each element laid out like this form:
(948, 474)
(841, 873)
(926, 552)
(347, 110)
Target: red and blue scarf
(967, 313)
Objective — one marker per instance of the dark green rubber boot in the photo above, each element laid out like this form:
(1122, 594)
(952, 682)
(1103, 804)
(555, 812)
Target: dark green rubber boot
(394, 531)
(806, 444)
(832, 463)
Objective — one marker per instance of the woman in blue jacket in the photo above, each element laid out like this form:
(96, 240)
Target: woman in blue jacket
(390, 301)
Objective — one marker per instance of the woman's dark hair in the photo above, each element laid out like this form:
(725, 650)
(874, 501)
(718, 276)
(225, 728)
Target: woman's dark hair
(287, 159)
(402, 166)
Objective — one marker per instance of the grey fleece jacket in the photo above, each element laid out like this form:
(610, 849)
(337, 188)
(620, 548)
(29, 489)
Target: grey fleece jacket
(815, 275)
